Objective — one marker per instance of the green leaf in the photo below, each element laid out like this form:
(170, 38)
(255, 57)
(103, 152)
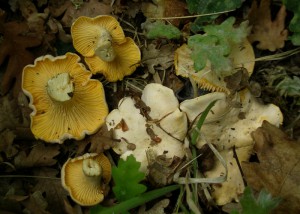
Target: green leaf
(127, 177)
(159, 29)
(294, 6)
(200, 122)
(133, 202)
(227, 32)
(262, 205)
(215, 45)
(289, 86)
(212, 6)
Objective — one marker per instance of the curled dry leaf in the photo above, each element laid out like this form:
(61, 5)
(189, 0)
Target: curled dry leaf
(16, 40)
(40, 155)
(90, 8)
(270, 34)
(278, 169)
(165, 8)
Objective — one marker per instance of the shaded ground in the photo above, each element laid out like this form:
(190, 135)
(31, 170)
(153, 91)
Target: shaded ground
(30, 169)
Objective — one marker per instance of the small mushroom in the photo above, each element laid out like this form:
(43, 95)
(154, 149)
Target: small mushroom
(106, 50)
(86, 178)
(242, 55)
(156, 124)
(66, 103)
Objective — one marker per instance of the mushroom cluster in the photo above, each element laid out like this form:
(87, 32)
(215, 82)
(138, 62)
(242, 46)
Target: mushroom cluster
(66, 102)
(105, 48)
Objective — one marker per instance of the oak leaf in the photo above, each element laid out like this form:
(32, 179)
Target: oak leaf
(278, 170)
(40, 155)
(15, 44)
(270, 34)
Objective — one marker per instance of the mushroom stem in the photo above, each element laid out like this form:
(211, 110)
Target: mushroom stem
(91, 167)
(60, 87)
(104, 49)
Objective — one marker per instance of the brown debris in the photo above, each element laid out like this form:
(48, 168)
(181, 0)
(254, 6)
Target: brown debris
(278, 168)
(270, 34)
(16, 40)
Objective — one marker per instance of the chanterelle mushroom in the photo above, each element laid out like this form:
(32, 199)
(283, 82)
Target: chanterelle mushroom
(66, 103)
(86, 177)
(102, 42)
(153, 122)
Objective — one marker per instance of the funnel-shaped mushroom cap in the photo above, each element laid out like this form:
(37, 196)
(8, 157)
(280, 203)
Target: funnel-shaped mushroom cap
(86, 33)
(241, 56)
(102, 42)
(85, 178)
(66, 103)
(127, 59)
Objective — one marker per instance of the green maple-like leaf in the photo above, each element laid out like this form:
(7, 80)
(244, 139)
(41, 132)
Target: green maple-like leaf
(159, 29)
(294, 6)
(209, 48)
(127, 178)
(216, 44)
(262, 205)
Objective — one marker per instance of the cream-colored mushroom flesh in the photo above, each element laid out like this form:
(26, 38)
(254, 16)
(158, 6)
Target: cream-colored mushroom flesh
(230, 125)
(242, 56)
(116, 62)
(66, 102)
(60, 87)
(154, 123)
(85, 177)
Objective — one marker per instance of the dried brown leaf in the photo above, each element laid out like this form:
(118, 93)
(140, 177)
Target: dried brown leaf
(90, 8)
(40, 155)
(50, 185)
(278, 170)
(270, 34)
(161, 58)
(16, 40)
(6, 143)
(36, 203)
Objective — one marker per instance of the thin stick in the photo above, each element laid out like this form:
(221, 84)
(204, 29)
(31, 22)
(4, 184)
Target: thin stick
(192, 16)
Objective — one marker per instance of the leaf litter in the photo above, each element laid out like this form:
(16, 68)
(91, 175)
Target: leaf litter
(30, 29)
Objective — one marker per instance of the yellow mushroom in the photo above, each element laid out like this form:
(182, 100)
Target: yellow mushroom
(242, 55)
(104, 46)
(66, 103)
(86, 178)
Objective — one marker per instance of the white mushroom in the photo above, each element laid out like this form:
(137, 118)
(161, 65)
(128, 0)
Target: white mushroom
(227, 127)
(153, 122)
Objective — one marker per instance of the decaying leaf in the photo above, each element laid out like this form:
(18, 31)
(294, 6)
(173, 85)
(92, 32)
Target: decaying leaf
(278, 169)
(69, 11)
(161, 169)
(40, 155)
(50, 186)
(165, 8)
(99, 142)
(6, 143)
(270, 34)
(16, 41)
(36, 203)
(154, 58)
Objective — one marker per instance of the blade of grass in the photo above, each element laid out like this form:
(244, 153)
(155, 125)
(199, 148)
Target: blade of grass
(200, 122)
(133, 202)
